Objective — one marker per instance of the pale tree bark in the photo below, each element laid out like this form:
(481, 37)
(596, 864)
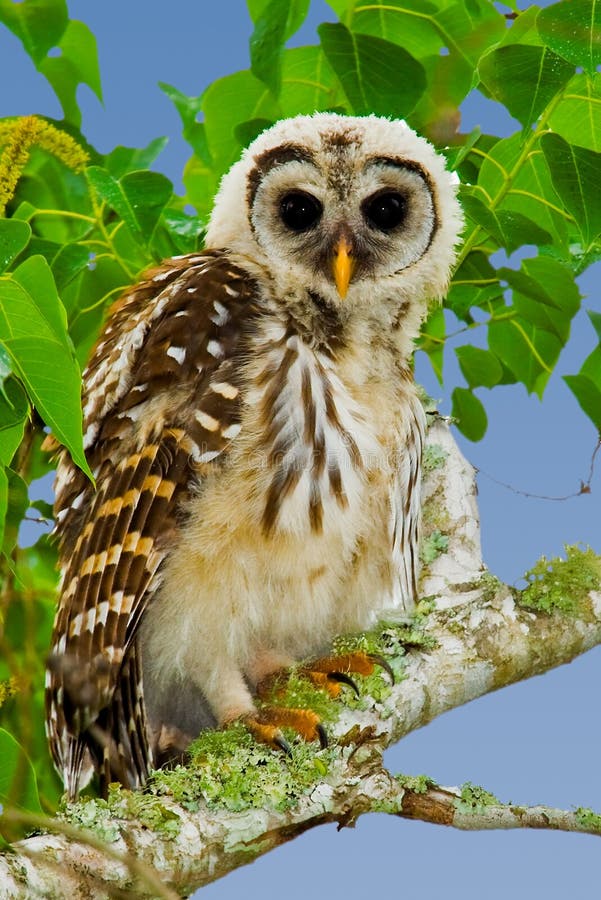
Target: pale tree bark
(478, 638)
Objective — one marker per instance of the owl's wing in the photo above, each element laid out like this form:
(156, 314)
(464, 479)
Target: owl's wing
(405, 509)
(161, 407)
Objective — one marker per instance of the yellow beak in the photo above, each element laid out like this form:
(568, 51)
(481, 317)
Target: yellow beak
(344, 265)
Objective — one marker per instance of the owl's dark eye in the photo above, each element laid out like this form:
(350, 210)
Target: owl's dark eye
(385, 210)
(299, 211)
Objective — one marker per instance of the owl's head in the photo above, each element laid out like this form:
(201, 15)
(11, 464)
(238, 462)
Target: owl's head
(355, 210)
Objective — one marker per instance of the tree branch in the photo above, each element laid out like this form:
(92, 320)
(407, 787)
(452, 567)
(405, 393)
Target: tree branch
(445, 806)
(478, 638)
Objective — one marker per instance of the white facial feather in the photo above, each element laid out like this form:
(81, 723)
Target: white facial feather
(416, 266)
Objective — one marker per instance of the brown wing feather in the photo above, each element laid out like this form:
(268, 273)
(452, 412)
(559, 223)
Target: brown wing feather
(153, 424)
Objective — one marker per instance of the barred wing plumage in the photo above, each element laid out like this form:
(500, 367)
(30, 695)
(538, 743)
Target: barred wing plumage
(160, 394)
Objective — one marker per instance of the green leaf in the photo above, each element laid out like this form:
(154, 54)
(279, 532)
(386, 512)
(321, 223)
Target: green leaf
(528, 351)
(376, 75)
(35, 276)
(296, 13)
(308, 82)
(5, 367)
(586, 385)
(510, 229)
(226, 103)
(545, 294)
(138, 198)
(14, 237)
(201, 183)
(18, 784)
(39, 24)
(576, 117)
(33, 331)
(147, 193)
(595, 318)
(524, 78)
(14, 410)
(189, 108)
(432, 338)
(576, 174)
(475, 284)
(465, 29)
(66, 265)
(246, 132)
(3, 503)
(409, 23)
(469, 27)
(588, 395)
(274, 24)
(480, 368)
(530, 191)
(185, 231)
(591, 367)
(469, 414)
(547, 281)
(573, 30)
(342, 8)
(122, 160)
(18, 504)
(77, 64)
(456, 155)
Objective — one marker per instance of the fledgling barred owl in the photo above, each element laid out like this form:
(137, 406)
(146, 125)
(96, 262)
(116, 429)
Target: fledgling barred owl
(254, 431)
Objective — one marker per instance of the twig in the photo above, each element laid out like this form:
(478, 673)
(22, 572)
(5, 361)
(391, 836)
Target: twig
(445, 806)
(585, 486)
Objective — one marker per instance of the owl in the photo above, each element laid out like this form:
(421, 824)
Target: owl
(255, 435)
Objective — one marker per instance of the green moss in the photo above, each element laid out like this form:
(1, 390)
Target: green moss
(435, 514)
(489, 585)
(412, 637)
(394, 806)
(365, 642)
(429, 403)
(562, 585)
(433, 457)
(228, 769)
(424, 608)
(95, 815)
(474, 798)
(419, 784)
(146, 808)
(100, 816)
(588, 819)
(432, 546)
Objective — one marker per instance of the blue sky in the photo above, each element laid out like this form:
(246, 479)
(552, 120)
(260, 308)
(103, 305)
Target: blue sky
(536, 742)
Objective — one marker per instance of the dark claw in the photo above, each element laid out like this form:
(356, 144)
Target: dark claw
(322, 735)
(380, 661)
(343, 678)
(281, 742)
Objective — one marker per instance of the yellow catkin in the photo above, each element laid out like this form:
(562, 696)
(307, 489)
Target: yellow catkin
(18, 137)
(7, 689)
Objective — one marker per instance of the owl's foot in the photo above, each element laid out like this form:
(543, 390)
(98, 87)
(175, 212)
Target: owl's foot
(327, 673)
(266, 724)
(330, 672)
